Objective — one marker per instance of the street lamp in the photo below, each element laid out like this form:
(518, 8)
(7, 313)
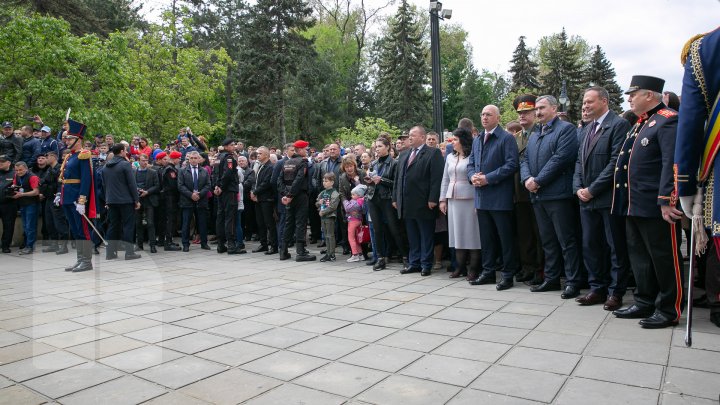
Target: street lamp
(436, 14)
(563, 99)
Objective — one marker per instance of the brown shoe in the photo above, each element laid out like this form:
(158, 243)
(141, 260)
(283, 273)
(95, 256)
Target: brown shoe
(613, 303)
(591, 298)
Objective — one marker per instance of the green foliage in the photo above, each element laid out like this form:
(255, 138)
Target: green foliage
(454, 63)
(477, 92)
(600, 72)
(524, 70)
(366, 131)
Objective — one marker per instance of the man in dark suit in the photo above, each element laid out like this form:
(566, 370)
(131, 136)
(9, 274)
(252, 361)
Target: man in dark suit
(122, 199)
(276, 173)
(600, 143)
(148, 184)
(491, 169)
(547, 170)
(194, 185)
(416, 195)
(263, 192)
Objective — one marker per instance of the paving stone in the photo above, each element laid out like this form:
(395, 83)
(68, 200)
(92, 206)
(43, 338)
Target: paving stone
(341, 379)
(23, 350)
(212, 306)
(327, 347)
(311, 308)
(194, 342)
(17, 394)
(102, 317)
(175, 398)
(399, 389)
(11, 338)
(128, 325)
(240, 329)
(72, 379)
(39, 365)
(316, 324)
(481, 304)
(140, 358)
(105, 347)
(126, 390)
(290, 394)
(236, 353)
(473, 349)
(243, 311)
(4, 382)
(75, 337)
(437, 300)
(542, 360)
(174, 315)
(420, 341)
(278, 318)
(529, 309)
(629, 350)
(474, 397)
(375, 304)
(364, 333)
(412, 308)
(580, 390)
(695, 359)
(205, 321)
(349, 314)
(284, 365)
(638, 374)
(529, 384)
(628, 330)
(448, 370)
(391, 320)
(498, 334)
(390, 359)
(159, 333)
(183, 371)
(513, 320)
(49, 329)
(276, 303)
(440, 326)
(691, 382)
(280, 338)
(679, 399)
(462, 314)
(146, 309)
(555, 341)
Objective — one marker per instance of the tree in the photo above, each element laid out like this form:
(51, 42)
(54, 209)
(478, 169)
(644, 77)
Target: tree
(524, 70)
(455, 60)
(402, 71)
(600, 72)
(366, 131)
(477, 92)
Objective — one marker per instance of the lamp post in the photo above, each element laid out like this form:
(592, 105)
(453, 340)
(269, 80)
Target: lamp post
(436, 14)
(563, 99)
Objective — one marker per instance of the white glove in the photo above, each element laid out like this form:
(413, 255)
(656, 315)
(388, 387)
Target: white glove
(80, 208)
(56, 201)
(687, 205)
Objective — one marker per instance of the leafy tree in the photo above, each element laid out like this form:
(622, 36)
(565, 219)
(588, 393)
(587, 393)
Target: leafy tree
(366, 131)
(402, 71)
(477, 92)
(524, 70)
(600, 72)
(455, 61)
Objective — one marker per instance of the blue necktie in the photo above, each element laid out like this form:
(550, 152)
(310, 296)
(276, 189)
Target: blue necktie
(195, 178)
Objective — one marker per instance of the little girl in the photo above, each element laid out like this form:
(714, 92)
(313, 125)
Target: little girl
(354, 211)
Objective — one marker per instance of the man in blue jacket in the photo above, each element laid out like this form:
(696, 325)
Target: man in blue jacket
(547, 170)
(491, 169)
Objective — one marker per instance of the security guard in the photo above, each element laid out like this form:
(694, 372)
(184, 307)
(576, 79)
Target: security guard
(644, 191)
(226, 189)
(170, 197)
(696, 155)
(294, 184)
(77, 195)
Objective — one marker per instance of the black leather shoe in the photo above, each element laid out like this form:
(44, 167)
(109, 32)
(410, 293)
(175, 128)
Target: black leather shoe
(524, 276)
(153, 249)
(657, 321)
(171, 248)
(186, 248)
(83, 266)
(346, 251)
(132, 256)
(483, 279)
(111, 256)
(6, 250)
(284, 255)
(715, 318)
(570, 292)
(504, 284)
(371, 262)
(380, 265)
(205, 247)
(261, 248)
(222, 248)
(701, 302)
(426, 272)
(546, 286)
(633, 312)
(272, 251)
(409, 270)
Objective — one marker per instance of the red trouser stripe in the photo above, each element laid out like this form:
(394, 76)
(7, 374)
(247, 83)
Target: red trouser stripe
(676, 265)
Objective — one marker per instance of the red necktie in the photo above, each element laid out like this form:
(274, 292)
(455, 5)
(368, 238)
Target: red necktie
(412, 156)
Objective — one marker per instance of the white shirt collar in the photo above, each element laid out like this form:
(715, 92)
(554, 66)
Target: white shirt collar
(602, 118)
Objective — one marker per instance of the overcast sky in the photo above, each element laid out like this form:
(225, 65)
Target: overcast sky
(638, 36)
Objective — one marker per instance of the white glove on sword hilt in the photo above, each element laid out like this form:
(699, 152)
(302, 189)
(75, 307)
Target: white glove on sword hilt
(80, 208)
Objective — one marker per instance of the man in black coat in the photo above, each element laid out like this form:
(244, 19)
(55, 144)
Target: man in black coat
(8, 206)
(226, 187)
(416, 195)
(148, 184)
(600, 143)
(194, 185)
(122, 199)
(10, 145)
(263, 192)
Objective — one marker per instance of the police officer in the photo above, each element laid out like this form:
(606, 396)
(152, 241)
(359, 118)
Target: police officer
(226, 189)
(78, 194)
(644, 191)
(170, 197)
(53, 215)
(294, 184)
(8, 206)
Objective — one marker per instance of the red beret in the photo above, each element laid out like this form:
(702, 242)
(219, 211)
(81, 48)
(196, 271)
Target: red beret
(301, 144)
(175, 155)
(160, 155)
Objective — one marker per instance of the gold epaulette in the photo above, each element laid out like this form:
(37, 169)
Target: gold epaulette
(84, 154)
(667, 113)
(686, 48)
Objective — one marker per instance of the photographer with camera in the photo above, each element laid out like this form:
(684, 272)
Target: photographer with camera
(8, 206)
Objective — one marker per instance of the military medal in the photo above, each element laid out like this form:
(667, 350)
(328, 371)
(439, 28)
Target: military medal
(645, 141)
(652, 124)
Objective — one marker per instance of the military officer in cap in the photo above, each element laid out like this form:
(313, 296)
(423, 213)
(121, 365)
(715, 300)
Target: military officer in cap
(294, 185)
(77, 195)
(644, 191)
(696, 152)
(226, 189)
(528, 236)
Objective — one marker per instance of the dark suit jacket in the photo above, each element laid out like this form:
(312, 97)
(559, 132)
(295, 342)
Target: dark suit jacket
(418, 184)
(152, 186)
(595, 163)
(185, 186)
(263, 187)
(498, 160)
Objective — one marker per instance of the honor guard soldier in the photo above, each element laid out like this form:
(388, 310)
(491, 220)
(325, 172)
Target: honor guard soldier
(226, 188)
(170, 197)
(294, 185)
(77, 195)
(644, 191)
(696, 153)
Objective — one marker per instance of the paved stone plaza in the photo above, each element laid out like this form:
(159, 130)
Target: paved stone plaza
(198, 327)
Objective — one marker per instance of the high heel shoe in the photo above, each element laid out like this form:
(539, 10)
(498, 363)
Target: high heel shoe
(380, 265)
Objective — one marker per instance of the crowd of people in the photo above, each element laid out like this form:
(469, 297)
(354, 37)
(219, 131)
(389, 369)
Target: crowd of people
(539, 200)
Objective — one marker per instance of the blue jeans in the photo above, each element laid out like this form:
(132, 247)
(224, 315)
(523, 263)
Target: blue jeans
(239, 236)
(29, 216)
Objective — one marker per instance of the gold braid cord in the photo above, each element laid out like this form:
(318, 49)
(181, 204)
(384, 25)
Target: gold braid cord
(686, 48)
(698, 73)
(708, 203)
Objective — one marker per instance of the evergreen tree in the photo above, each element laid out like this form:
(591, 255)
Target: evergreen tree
(563, 61)
(477, 92)
(403, 71)
(269, 56)
(524, 70)
(601, 73)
